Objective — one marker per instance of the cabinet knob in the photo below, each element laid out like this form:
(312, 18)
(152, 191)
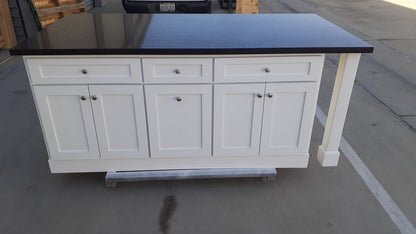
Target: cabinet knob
(267, 70)
(270, 95)
(84, 71)
(259, 95)
(177, 71)
(178, 99)
(94, 97)
(83, 98)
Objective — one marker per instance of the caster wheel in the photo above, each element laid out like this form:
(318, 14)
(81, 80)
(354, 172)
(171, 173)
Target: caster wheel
(268, 178)
(110, 184)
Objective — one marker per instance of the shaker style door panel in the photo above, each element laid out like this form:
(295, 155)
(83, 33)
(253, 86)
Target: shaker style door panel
(67, 121)
(238, 110)
(120, 120)
(179, 120)
(288, 115)
(84, 70)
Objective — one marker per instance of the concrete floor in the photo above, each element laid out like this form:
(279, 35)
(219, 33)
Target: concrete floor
(380, 127)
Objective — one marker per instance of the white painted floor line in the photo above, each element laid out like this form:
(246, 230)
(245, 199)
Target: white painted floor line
(395, 213)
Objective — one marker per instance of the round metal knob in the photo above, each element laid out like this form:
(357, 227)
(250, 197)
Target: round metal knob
(94, 97)
(267, 70)
(178, 99)
(270, 95)
(177, 71)
(83, 98)
(259, 95)
(84, 71)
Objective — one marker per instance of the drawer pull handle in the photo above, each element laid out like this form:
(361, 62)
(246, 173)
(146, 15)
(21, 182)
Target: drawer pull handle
(177, 71)
(259, 95)
(270, 95)
(178, 99)
(267, 70)
(84, 71)
(83, 98)
(94, 97)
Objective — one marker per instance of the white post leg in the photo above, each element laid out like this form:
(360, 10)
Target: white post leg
(328, 154)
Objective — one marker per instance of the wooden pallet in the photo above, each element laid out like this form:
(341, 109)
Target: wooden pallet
(247, 7)
(49, 11)
(7, 36)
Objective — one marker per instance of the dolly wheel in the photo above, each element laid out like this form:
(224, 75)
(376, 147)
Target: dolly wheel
(110, 184)
(268, 178)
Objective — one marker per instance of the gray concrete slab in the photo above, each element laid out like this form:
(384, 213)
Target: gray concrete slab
(405, 46)
(386, 145)
(4, 53)
(411, 119)
(316, 200)
(394, 92)
(390, 155)
(379, 19)
(300, 201)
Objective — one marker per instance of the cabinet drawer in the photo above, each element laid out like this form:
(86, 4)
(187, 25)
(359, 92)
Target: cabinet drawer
(175, 70)
(84, 71)
(284, 68)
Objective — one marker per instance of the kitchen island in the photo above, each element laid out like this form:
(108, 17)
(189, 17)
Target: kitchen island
(133, 92)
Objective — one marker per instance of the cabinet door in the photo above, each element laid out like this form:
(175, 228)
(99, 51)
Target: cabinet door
(120, 120)
(237, 119)
(179, 119)
(289, 111)
(67, 121)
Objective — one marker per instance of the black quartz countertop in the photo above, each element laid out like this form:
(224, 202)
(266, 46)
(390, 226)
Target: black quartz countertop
(100, 34)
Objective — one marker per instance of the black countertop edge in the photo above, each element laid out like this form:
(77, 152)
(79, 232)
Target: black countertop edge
(129, 51)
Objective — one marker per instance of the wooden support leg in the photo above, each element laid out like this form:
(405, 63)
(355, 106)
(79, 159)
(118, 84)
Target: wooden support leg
(328, 154)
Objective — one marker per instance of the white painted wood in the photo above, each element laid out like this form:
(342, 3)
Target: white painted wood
(67, 121)
(120, 120)
(288, 118)
(237, 119)
(328, 154)
(180, 132)
(99, 70)
(169, 163)
(179, 128)
(177, 70)
(266, 69)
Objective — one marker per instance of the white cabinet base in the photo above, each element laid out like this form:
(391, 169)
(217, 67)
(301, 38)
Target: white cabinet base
(70, 166)
(173, 113)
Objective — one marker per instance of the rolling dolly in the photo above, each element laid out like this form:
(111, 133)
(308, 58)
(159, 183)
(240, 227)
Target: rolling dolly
(112, 178)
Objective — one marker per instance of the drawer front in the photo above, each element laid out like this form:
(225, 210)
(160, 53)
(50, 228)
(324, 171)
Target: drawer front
(175, 70)
(84, 71)
(284, 68)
